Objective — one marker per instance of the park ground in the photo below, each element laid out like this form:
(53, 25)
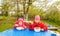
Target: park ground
(8, 22)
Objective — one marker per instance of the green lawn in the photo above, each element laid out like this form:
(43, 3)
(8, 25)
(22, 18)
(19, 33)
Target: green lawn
(54, 24)
(7, 23)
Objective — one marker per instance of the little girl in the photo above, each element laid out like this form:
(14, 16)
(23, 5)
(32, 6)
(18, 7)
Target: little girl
(20, 24)
(37, 25)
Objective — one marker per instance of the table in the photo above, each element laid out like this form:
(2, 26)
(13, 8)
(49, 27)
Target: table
(27, 32)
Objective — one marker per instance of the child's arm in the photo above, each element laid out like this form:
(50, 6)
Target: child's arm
(45, 28)
(15, 25)
(26, 24)
(31, 26)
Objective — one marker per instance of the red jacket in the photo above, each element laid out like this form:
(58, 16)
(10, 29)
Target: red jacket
(24, 25)
(42, 26)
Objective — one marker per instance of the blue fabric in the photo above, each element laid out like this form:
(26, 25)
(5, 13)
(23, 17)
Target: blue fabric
(27, 32)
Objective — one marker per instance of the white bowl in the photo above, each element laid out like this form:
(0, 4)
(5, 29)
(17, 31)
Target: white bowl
(19, 28)
(37, 29)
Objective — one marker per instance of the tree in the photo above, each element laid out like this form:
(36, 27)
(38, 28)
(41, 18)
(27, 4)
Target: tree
(6, 7)
(26, 10)
(57, 5)
(53, 14)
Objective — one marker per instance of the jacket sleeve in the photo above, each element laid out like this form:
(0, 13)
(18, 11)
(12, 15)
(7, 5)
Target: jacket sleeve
(31, 26)
(25, 24)
(44, 27)
(15, 25)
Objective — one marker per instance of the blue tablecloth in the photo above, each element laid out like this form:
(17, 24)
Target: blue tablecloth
(27, 32)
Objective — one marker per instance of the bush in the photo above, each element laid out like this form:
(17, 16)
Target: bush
(31, 15)
(3, 18)
(53, 16)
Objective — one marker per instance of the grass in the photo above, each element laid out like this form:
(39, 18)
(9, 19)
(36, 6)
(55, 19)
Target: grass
(51, 23)
(7, 24)
(54, 24)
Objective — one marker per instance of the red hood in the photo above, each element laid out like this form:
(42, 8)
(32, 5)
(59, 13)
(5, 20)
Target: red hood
(37, 18)
(20, 20)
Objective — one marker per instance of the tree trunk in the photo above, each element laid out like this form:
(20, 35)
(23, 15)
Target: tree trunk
(26, 11)
(6, 13)
(17, 10)
(26, 16)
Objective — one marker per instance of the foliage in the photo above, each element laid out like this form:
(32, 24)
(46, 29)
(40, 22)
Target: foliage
(7, 24)
(6, 7)
(3, 18)
(33, 12)
(53, 15)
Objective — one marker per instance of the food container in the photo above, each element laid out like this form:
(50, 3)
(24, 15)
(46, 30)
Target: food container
(37, 29)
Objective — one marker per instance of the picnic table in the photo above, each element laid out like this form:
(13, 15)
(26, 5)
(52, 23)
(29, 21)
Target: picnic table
(27, 32)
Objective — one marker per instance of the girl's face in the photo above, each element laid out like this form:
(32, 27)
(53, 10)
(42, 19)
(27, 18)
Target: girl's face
(36, 21)
(20, 23)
